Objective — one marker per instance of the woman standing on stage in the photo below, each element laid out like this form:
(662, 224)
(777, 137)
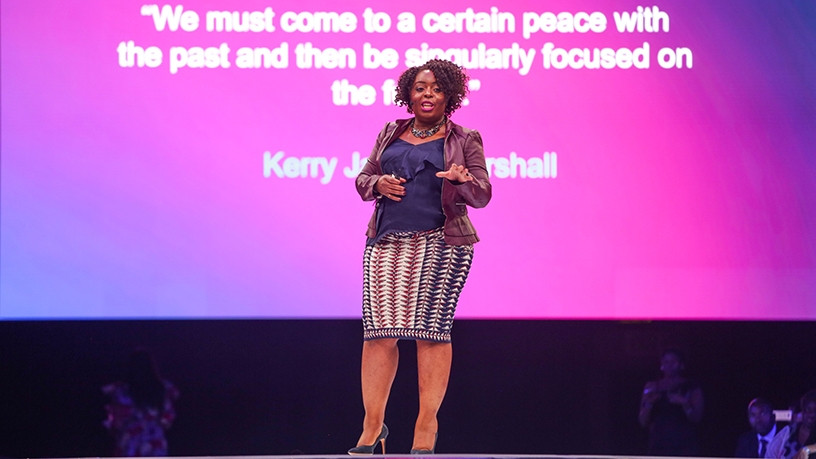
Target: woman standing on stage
(423, 173)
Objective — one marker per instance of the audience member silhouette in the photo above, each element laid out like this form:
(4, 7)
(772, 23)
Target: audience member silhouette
(754, 443)
(670, 409)
(799, 438)
(140, 408)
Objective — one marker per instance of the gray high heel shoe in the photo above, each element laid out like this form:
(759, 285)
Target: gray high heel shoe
(368, 450)
(426, 451)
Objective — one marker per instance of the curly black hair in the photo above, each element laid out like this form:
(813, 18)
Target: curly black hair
(450, 77)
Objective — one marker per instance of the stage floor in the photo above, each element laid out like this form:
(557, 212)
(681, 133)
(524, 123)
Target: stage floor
(450, 456)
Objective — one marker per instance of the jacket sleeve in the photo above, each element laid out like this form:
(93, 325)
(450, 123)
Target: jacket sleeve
(476, 193)
(371, 171)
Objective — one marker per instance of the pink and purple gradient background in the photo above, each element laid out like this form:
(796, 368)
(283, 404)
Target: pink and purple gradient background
(681, 194)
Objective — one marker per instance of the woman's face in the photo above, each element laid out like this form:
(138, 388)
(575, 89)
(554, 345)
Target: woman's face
(671, 365)
(809, 413)
(427, 99)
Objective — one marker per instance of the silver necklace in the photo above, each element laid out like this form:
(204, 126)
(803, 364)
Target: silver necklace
(429, 132)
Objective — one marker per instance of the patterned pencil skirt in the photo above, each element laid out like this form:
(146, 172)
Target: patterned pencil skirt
(411, 284)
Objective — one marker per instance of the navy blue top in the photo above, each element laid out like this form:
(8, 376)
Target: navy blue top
(421, 207)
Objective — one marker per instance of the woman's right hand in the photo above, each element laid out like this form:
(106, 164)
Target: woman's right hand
(391, 187)
(651, 392)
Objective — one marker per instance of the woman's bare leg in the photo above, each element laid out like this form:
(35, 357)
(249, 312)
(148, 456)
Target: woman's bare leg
(379, 366)
(433, 370)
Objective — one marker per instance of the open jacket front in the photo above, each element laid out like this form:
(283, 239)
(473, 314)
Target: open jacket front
(463, 146)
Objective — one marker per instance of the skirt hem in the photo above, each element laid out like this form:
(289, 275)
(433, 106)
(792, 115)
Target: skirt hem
(407, 333)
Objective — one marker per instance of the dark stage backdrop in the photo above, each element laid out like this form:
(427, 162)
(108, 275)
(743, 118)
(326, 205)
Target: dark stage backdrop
(281, 386)
(161, 161)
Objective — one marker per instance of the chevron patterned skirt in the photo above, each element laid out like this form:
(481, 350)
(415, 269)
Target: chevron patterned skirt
(411, 284)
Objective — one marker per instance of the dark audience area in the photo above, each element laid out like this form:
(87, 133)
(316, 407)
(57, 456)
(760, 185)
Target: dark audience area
(279, 387)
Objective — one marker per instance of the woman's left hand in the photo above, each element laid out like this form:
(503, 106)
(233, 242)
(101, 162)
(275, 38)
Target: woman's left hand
(456, 173)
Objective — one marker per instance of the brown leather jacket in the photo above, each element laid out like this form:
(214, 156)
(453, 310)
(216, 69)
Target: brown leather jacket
(462, 146)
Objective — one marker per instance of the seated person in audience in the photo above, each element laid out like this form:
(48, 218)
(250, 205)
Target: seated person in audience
(797, 439)
(140, 408)
(754, 443)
